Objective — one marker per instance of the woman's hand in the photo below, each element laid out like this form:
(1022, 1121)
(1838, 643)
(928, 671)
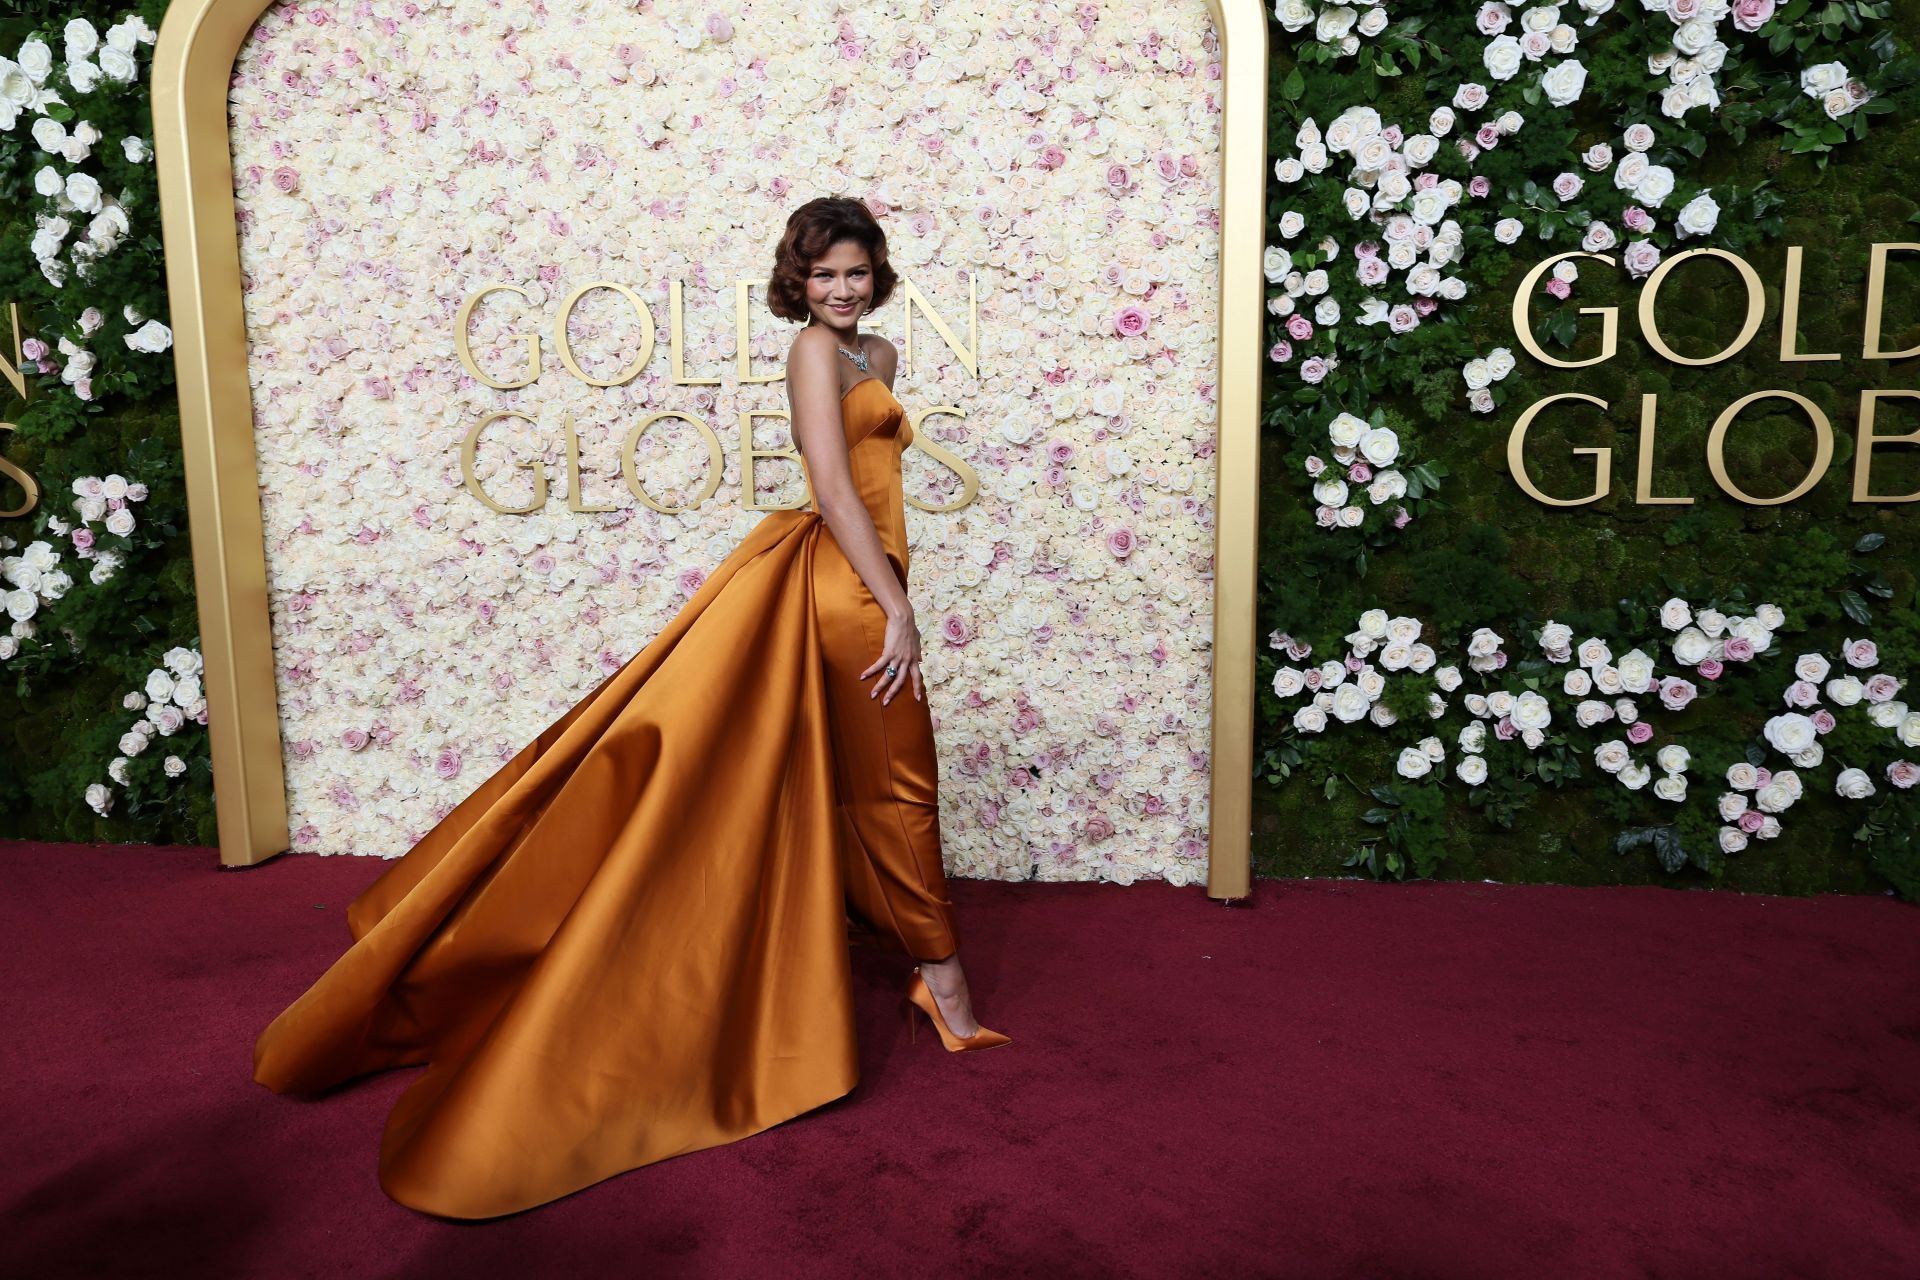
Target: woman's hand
(901, 651)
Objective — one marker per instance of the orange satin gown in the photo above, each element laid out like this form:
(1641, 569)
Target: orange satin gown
(631, 941)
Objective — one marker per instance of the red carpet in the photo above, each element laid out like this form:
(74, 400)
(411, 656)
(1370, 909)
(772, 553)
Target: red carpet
(1340, 1079)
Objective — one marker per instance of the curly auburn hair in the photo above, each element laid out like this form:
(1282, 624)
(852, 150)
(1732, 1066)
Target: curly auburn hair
(813, 229)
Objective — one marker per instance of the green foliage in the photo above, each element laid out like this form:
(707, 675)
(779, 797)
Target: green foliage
(1485, 554)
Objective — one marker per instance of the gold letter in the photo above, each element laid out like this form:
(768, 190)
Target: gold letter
(1876, 295)
(749, 456)
(969, 478)
(630, 468)
(1717, 449)
(1517, 443)
(677, 338)
(743, 338)
(1790, 313)
(566, 347)
(15, 378)
(461, 345)
(538, 467)
(1643, 489)
(1756, 302)
(1523, 327)
(1863, 452)
(969, 355)
(576, 494)
(22, 478)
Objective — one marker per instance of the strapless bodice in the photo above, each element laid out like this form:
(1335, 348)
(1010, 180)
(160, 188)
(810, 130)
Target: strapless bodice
(877, 434)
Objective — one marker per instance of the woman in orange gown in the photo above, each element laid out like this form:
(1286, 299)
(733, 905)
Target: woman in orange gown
(631, 941)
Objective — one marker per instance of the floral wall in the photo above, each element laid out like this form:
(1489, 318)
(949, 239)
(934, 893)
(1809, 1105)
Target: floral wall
(1465, 681)
(391, 159)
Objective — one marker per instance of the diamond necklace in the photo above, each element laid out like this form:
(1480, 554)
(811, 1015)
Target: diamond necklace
(859, 358)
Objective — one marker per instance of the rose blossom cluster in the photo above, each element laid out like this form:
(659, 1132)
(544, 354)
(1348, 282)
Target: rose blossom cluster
(29, 82)
(1481, 373)
(1796, 732)
(1524, 715)
(171, 697)
(1708, 639)
(1838, 93)
(1540, 32)
(1697, 53)
(1339, 27)
(1616, 757)
(35, 577)
(1751, 809)
(1350, 690)
(1363, 455)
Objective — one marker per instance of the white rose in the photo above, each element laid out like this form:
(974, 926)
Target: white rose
(1350, 703)
(1909, 729)
(1816, 81)
(1887, 715)
(1691, 647)
(1742, 776)
(1473, 737)
(1635, 776)
(1698, 216)
(1789, 733)
(1471, 770)
(1675, 614)
(1654, 186)
(1448, 678)
(1732, 805)
(1380, 446)
(1502, 57)
(1636, 671)
(1775, 797)
(1853, 784)
(1413, 763)
(1611, 756)
(1732, 840)
(1842, 691)
(1563, 84)
(1674, 758)
(1310, 719)
(1591, 712)
(1531, 711)
(1672, 786)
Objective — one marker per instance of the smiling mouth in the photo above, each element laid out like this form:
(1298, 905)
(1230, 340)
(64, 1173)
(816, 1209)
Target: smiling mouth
(838, 307)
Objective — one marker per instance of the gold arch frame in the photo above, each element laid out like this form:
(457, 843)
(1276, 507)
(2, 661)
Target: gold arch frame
(192, 68)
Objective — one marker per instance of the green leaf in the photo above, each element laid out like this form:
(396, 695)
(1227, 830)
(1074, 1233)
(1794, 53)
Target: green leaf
(1874, 541)
(1294, 86)
(1856, 608)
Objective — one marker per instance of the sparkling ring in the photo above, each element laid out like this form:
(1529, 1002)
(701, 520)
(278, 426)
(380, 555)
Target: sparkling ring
(890, 671)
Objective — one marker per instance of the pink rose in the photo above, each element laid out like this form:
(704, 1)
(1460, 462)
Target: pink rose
(1371, 271)
(1401, 519)
(447, 763)
(1559, 288)
(1118, 178)
(82, 538)
(1488, 137)
(1802, 694)
(1881, 688)
(953, 628)
(1393, 135)
(1504, 729)
(34, 349)
(1903, 773)
(1567, 185)
(1639, 731)
(1750, 821)
(1739, 649)
(1676, 693)
(1710, 669)
(1683, 10)
(1761, 777)
(1326, 517)
(1130, 321)
(1751, 15)
(1315, 465)
(1313, 369)
(1860, 653)
(355, 739)
(1636, 218)
(1299, 328)
(1098, 828)
(1367, 249)
(1359, 473)
(1120, 542)
(1355, 662)
(1280, 352)
(1492, 19)
(1479, 187)
(286, 179)
(1426, 307)
(1311, 677)
(690, 581)
(1641, 257)
(1823, 721)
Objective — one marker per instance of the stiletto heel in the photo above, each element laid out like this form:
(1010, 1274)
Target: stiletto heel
(920, 995)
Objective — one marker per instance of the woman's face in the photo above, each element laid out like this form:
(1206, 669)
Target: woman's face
(843, 275)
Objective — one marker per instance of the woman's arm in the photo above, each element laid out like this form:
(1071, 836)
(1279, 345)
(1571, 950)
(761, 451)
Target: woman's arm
(813, 402)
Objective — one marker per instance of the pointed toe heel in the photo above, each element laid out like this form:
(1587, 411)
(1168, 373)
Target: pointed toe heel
(920, 996)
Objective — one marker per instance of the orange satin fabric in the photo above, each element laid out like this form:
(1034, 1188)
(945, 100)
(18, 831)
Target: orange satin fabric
(631, 941)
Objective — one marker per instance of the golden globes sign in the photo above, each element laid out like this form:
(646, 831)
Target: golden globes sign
(435, 265)
(1867, 439)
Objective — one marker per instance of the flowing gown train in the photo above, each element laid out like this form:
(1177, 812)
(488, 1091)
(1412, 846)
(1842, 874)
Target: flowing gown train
(631, 941)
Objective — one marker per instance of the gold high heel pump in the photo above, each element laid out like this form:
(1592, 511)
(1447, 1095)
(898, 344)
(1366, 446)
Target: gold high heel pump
(920, 995)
